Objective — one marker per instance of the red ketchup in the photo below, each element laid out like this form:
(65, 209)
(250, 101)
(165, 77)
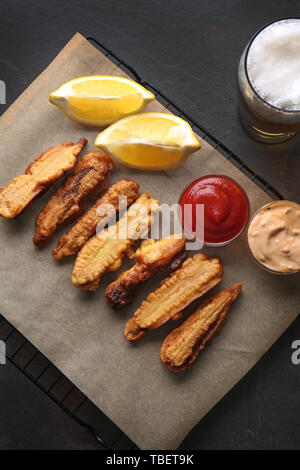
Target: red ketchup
(226, 208)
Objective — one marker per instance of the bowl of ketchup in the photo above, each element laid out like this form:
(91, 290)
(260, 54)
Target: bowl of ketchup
(226, 209)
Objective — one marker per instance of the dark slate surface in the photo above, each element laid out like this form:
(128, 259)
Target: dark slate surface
(189, 50)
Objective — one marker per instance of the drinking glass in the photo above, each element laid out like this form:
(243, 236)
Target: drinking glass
(262, 120)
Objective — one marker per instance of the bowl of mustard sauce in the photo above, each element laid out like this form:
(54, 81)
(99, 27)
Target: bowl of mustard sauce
(274, 237)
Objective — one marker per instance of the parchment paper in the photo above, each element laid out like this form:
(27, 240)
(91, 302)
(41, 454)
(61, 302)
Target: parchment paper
(78, 331)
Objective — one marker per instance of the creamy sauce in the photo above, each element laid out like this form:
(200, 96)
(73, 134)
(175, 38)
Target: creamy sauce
(274, 236)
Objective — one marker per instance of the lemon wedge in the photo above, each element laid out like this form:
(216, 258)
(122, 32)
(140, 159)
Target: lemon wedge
(100, 100)
(149, 141)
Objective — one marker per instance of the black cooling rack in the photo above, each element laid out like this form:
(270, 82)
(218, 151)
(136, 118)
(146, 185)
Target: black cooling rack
(38, 368)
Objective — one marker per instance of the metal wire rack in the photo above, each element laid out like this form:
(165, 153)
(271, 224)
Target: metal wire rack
(39, 369)
(60, 389)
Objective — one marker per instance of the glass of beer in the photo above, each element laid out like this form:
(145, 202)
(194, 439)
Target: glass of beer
(269, 82)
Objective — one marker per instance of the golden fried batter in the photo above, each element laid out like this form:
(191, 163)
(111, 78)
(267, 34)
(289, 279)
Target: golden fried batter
(71, 242)
(196, 276)
(89, 178)
(38, 176)
(132, 330)
(151, 257)
(183, 345)
(105, 251)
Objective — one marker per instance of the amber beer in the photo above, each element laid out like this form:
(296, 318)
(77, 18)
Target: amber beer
(269, 82)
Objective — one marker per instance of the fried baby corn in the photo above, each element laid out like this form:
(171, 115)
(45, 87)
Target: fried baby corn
(196, 276)
(71, 242)
(183, 345)
(89, 178)
(38, 176)
(151, 257)
(106, 250)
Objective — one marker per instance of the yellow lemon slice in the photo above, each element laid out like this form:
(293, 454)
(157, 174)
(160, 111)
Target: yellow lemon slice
(149, 141)
(100, 100)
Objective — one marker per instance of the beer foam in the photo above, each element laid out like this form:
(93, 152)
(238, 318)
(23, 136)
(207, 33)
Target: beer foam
(273, 64)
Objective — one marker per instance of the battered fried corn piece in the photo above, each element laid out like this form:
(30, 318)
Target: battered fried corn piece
(106, 250)
(71, 242)
(183, 345)
(89, 178)
(151, 257)
(196, 276)
(38, 176)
